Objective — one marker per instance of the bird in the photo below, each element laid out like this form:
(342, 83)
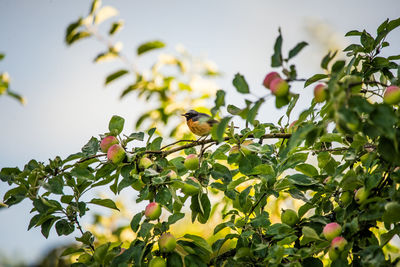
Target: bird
(199, 123)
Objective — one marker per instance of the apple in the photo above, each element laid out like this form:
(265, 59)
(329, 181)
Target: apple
(157, 262)
(243, 252)
(289, 217)
(138, 184)
(166, 243)
(279, 87)
(145, 163)
(361, 195)
(116, 154)
(152, 211)
(268, 79)
(332, 230)
(172, 175)
(244, 147)
(352, 82)
(107, 142)
(293, 127)
(338, 243)
(345, 198)
(392, 95)
(191, 162)
(320, 93)
(234, 150)
(392, 212)
(190, 189)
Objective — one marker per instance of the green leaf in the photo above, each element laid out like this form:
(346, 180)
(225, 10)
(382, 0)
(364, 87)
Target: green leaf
(307, 169)
(253, 111)
(199, 241)
(2, 56)
(292, 104)
(104, 202)
(301, 179)
(175, 217)
(145, 229)
(116, 27)
(135, 222)
(46, 226)
(91, 148)
(367, 41)
(309, 235)
(143, 48)
(315, 78)
(105, 56)
(353, 33)
(115, 75)
(297, 49)
(101, 252)
(218, 130)
(276, 59)
(136, 136)
(174, 260)
(232, 109)
(63, 227)
(325, 61)
(219, 101)
(240, 84)
(116, 124)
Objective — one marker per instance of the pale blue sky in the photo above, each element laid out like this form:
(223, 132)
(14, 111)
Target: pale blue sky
(67, 102)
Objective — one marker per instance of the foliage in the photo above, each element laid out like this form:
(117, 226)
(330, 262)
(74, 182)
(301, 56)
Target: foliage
(348, 142)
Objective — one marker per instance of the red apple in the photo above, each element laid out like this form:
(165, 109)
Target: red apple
(145, 163)
(332, 230)
(279, 87)
(166, 243)
(152, 211)
(320, 93)
(116, 154)
(107, 142)
(268, 79)
(338, 243)
(392, 95)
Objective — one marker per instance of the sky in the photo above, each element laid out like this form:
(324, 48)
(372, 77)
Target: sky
(68, 103)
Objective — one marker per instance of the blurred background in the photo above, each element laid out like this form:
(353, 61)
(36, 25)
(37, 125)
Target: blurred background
(67, 101)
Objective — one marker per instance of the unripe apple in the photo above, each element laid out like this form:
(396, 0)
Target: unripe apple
(138, 184)
(352, 82)
(392, 212)
(191, 162)
(243, 252)
(172, 175)
(361, 195)
(107, 142)
(189, 189)
(279, 87)
(233, 150)
(289, 217)
(338, 243)
(345, 198)
(268, 79)
(157, 262)
(392, 95)
(320, 93)
(145, 163)
(332, 230)
(152, 211)
(166, 243)
(116, 154)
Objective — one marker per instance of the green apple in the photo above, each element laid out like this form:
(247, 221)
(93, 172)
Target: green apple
(332, 230)
(244, 147)
(361, 195)
(243, 252)
(153, 211)
(138, 184)
(352, 82)
(392, 95)
(333, 254)
(189, 188)
(338, 243)
(107, 142)
(345, 198)
(116, 154)
(166, 243)
(289, 217)
(145, 163)
(157, 262)
(279, 87)
(320, 93)
(191, 162)
(268, 79)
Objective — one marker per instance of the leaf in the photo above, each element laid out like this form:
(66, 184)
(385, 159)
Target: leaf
(101, 252)
(2, 56)
(292, 104)
(143, 48)
(325, 61)
(301, 179)
(105, 56)
(104, 202)
(219, 101)
(218, 130)
(116, 124)
(307, 169)
(353, 33)
(136, 136)
(315, 78)
(367, 41)
(309, 235)
(276, 59)
(174, 260)
(116, 27)
(240, 84)
(199, 241)
(253, 111)
(233, 110)
(175, 217)
(135, 222)
(105, 13)
(91, 147)
(115, 75)
(297, 49)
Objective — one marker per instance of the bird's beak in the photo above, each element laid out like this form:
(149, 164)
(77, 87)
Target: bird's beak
(184, 115)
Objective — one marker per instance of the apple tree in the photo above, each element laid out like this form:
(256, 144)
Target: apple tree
(340, 160)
